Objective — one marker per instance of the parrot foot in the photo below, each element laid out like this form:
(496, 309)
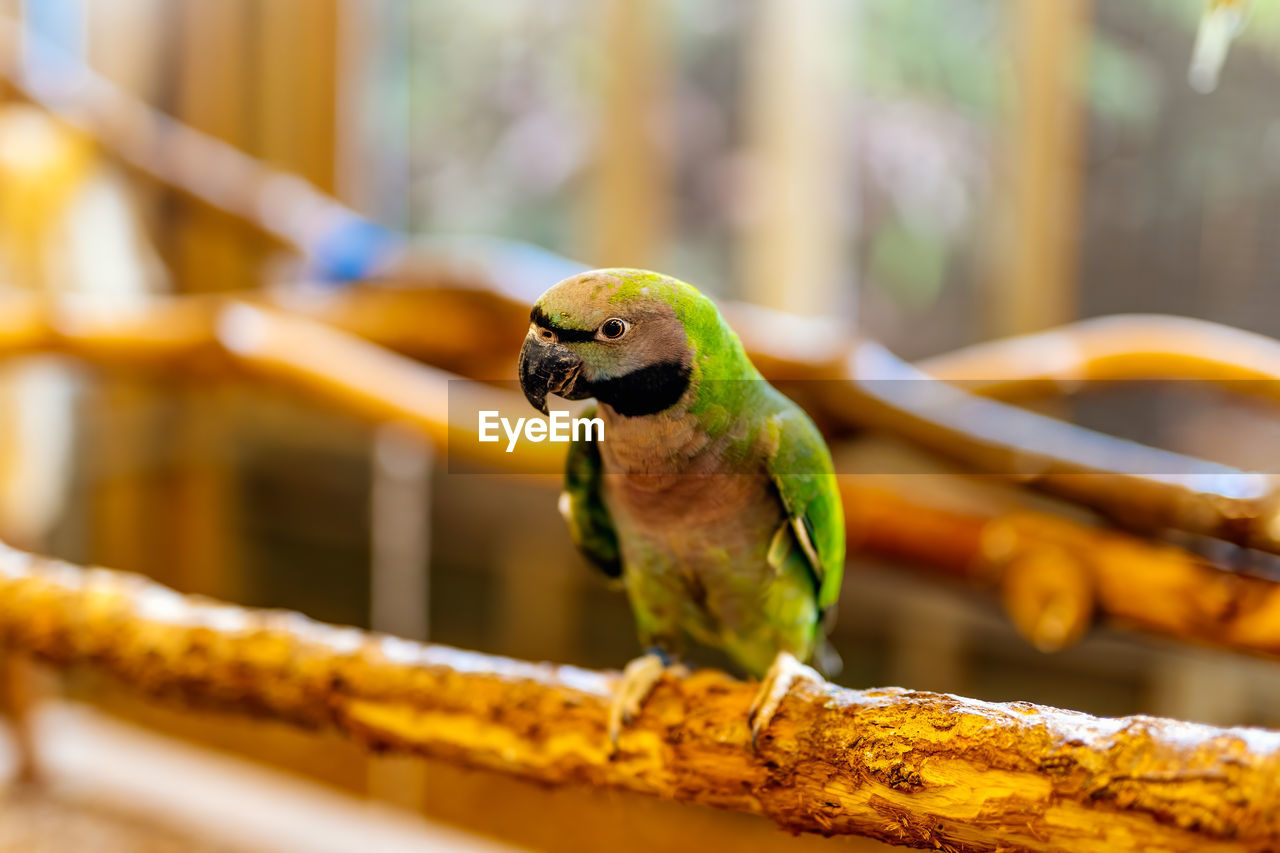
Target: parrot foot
(777, 683)
(639, 677)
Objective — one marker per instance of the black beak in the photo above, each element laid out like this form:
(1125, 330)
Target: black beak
(547, 368)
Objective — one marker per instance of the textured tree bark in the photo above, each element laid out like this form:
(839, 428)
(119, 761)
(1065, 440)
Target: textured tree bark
(917, 769)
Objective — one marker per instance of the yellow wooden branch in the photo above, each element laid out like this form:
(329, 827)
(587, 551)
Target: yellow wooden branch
(1056, 576)
(1121, 347)
(1142, 487)
(917, 769)
(202, 334)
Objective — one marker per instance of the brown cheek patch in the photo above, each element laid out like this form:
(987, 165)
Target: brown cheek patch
(663, 338)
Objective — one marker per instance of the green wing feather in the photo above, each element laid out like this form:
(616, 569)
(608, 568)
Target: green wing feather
(590, 524)
(805, 478)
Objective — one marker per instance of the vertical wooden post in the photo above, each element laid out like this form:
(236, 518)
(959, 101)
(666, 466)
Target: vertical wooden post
(1201, 685)
(275, 100)
(791, 245)
(1040, 222)
(930, 642)
(295, 110)
(372, 150)
(214, 82)
(629, 205)
(217, 83)
(200, 500)
(541, 598)
(9, 47)
(19, 694)
(125, 39)
(400, 510)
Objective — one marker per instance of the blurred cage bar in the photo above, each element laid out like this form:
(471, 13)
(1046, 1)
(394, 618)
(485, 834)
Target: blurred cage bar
(856, 185)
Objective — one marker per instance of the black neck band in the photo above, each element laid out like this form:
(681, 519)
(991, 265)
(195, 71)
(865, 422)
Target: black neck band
(646, 391)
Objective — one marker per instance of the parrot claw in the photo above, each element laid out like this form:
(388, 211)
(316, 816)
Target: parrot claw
(773, 689)
(639, 677)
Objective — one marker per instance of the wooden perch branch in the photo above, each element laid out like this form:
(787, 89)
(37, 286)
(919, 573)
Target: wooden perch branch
(916, 769)
(1057, 576)
(202, 335)
(1140, 486)
(1121, 347)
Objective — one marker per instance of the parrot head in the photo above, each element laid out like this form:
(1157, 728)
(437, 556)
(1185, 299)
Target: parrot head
(629, 338)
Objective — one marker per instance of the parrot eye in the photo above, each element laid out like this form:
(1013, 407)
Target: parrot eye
(545, 335)
(613, 328)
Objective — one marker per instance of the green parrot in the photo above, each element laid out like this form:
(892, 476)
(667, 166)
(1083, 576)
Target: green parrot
(711, 495)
